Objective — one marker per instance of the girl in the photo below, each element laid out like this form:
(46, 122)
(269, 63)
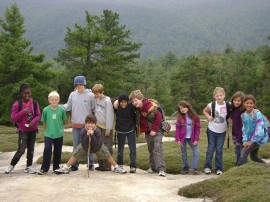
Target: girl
(254, 135)
(237, 109)
(26, 114)
(188, 131)
(216, 130)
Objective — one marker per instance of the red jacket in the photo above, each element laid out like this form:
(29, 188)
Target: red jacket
(144, 125)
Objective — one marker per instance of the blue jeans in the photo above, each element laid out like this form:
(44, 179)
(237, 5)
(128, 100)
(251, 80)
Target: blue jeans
(237, 150)
(253, 150)
(47, 153)
(76, 141)
(215, 143)
(121, 139)
(25, 140)
(195, 156)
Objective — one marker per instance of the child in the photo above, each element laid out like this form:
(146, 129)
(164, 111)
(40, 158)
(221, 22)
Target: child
(26, 114)
(237, 109)
(105, 118)
(188, 131)
(254, 135)
(150, 123)
(216, 130)
(80, 103)
(90, 133)
(52, 118)
(125, 127)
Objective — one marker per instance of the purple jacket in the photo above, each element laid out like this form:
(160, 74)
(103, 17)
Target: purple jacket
(237, 124)
(21, 118)
(180, 132)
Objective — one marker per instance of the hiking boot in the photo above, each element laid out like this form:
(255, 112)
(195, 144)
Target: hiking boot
(162, 173)
(9, 169)
(30, 170)
(41, 172)
(74, 168)
(132, 170)
(63, 170)
(184, 172)
(120, 170)
(207, 171)
(194, 172)
(219, 172)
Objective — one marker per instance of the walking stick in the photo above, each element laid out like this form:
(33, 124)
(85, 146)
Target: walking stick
(88, 156)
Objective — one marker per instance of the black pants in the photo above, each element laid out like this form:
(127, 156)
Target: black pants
(47, 153)
(25, 140)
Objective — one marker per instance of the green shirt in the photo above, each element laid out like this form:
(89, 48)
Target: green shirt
(54, 121)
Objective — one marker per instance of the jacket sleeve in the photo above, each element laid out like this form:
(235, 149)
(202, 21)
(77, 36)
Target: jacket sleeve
(259, 129)
(157, 121)
(68, 105)
(37, 116)
(177, 131)
(197, 128)
(109, 115)
(15, 115)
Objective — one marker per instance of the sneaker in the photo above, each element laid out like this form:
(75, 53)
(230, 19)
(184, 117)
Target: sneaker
(162, 174)
(30, 170)
(150, 171)
(120, 170)
(41, 172)
(219, 172)
(9, 169)
(132, 170)
(207, 171)
(63, 170)
(73, 168)
(194, 172)
(184, 172)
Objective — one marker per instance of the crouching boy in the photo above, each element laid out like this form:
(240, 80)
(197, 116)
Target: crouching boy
(96, 146)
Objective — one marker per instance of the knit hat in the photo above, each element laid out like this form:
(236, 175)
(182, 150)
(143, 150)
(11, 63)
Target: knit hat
(123, 96)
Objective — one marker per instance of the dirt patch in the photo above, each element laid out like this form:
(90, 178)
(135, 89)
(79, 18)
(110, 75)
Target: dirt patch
(100, 186)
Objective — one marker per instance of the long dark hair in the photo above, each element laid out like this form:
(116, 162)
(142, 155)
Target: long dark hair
(240, 95)
(191, 113)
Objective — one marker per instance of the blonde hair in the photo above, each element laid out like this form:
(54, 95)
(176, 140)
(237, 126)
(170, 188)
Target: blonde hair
(53, 94)
(136, 94)
(218, 89)
(98, 88)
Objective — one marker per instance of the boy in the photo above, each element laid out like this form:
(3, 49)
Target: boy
(125, 127)
(80, 104)
(96, 146)
(52, 118)
(150, 123)
(105, 117)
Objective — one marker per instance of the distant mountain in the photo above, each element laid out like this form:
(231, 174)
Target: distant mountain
(182, 26)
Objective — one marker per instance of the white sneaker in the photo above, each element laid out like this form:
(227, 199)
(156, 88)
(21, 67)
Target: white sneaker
(9, 169)
(120, 170)
(132, 170)
(63, 170)
(162, 173)
(219, 172)
(149, 171)
(30, 170)
(207, 171)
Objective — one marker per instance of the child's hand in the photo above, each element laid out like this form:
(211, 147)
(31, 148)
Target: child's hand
(90, 132)
(31, 124)
(247, 144)
(26, 111)
(153, 133)
(195, 142)
(116, 104)
(210, 118)
(107, 133)
(179, 143)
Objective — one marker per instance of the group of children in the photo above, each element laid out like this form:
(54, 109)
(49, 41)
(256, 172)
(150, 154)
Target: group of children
(134, 115)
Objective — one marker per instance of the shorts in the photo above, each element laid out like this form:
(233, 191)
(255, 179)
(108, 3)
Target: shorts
(79, 152)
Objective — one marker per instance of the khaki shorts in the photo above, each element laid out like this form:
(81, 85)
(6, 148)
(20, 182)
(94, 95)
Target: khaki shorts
(102, 153)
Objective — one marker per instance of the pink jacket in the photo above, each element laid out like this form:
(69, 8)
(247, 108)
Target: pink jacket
(181, 127)
(21, 118)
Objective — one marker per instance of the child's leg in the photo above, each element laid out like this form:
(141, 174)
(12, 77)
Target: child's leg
(185, 166)
(22, 142)
(111, 161)
(47, 154)
(254, 155)
(195, 155)
(220, 139)
(76, 142)
(57, 151)
(71, 161)
(246, 151)
(210, 148)
(150, 146)
(31, 140)
(132, 148)
(121, 138)
(158, 152)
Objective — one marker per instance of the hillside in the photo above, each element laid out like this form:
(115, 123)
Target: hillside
(182, 26)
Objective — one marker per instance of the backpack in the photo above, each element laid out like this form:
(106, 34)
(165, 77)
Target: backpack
(265, 120)
(165, 125)
(20, 104)
(228, 106)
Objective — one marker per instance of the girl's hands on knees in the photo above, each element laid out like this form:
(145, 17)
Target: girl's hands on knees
(247, 144)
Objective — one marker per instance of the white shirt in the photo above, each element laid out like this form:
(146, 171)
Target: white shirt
(219, 123)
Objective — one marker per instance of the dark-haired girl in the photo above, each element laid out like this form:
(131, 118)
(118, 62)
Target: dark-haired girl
(188, 131)
(26, 114)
